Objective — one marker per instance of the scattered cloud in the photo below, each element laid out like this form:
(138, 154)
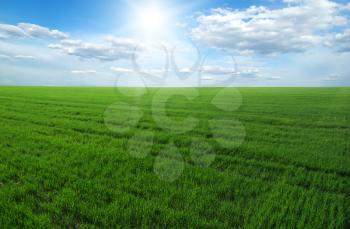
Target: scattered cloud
(26, 57)
(216, 70)
(7, 30)
(213, 70)
(181, 25)
(300, 25)
(7, 57)
(153, 71)
(332, 77)
(72, 42)
(40, 31)
(186, 70)
(30, 30)
(84, 72)
(249, 73)
(293, 28)
(208, 78)
(123, 42)
(17, 57)
(121, 70)
(114, 48)
(340, 41)
(345, 7)
(272, 78)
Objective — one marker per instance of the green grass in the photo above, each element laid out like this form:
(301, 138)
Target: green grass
(61, 166)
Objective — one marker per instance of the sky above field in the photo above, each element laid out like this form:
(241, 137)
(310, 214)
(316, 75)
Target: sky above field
(175, 43)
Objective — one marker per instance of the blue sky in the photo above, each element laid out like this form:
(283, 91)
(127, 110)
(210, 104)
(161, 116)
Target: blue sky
(175, 43)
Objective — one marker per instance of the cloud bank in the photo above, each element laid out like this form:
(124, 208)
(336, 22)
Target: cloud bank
(113, 49)
(30, 30)
(296, 27)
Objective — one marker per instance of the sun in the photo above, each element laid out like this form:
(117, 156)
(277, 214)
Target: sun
(152, 19)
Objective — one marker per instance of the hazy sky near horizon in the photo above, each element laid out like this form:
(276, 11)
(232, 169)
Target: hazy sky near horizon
(175, 43)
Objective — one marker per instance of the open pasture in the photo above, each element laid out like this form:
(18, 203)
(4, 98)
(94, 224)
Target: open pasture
(65, 162)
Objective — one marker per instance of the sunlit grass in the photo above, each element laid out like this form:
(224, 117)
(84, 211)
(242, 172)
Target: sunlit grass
(60, 165)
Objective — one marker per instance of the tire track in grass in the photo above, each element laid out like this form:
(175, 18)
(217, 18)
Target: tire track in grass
(278, 209)
(85, 131)
(255, 165)
(78, 129)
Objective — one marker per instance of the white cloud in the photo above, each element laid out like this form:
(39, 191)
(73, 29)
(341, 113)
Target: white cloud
(114, 49)
(186, 70)
(216, 70)
(30, 30)
(294, 28)
(17, 57)
(340, 41)
(123, 42)
(271, 78)
(145, 71)
(7, 57)
(249, 73)
(40, 31)
(55, 46)
(207, 78)
(83, 72)
(181, 25)
(121, 70)
(26, 57)
(213, 70)
(332, 77)
(346, 7)
(11, 30)
(71, 42)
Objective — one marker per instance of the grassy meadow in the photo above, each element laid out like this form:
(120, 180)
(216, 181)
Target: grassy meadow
(64, 164)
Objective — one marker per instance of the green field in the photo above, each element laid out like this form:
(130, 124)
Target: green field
(65, 163)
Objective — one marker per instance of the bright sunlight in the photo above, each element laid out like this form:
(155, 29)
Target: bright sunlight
(151, 19)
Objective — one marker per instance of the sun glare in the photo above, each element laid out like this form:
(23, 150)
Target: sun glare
(151, 20)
